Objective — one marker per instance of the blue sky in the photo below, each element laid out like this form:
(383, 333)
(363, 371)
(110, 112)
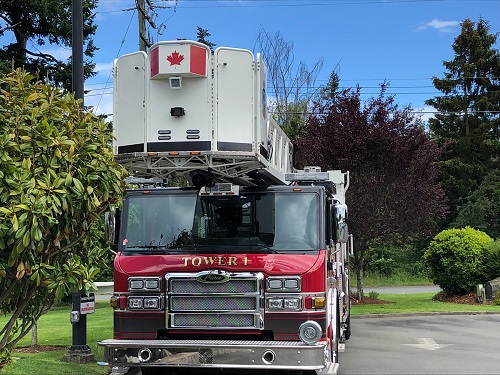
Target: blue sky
(401, 41)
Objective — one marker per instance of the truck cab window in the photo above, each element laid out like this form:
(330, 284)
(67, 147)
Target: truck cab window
(272, 220)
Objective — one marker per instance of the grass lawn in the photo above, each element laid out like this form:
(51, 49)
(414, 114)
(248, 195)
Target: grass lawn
(416, 303)
(55, 329)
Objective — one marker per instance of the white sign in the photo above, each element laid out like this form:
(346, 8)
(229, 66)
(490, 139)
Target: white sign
(87, 304)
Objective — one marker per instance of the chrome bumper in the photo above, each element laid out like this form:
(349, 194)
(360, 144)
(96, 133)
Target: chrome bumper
(216, 354)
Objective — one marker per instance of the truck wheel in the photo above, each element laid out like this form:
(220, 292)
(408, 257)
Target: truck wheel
(347, 332)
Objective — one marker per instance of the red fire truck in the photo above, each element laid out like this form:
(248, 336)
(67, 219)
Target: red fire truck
(248, 267)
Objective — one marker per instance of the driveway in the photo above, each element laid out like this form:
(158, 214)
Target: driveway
(441, 344)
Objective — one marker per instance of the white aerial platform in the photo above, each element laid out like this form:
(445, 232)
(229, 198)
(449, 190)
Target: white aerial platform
(181, 108)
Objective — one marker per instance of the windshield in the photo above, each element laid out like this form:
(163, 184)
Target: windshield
(269, 220)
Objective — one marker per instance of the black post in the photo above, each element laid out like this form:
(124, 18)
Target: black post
(77, 57)
(79, 351)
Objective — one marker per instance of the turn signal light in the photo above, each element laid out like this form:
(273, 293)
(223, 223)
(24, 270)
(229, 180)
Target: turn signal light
(318, 302)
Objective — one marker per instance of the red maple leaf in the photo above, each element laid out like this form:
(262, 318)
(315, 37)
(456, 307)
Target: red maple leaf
(175, 58)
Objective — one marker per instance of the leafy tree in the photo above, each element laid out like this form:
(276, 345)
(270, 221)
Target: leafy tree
(393, 196)
(291, 86)
(469, 112)
(455, 259)
(482, 208)
(202, 36)
(296, 116)
(57, 178)
(36, 23)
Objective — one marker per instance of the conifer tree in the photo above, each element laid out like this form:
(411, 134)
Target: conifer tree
(37, 26)
(469, 112)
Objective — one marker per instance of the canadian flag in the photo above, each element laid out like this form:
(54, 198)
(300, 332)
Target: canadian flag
(181, 59)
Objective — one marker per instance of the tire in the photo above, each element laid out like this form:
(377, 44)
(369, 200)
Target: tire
(347, 332)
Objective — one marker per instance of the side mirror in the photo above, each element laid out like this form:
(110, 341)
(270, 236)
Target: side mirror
(341, 228)
(112, 222)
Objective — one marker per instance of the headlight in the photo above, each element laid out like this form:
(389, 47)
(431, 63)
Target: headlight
(150, 284)
(292, 303)
(284, 303)
(275, 284)
(310, 332)
(283, 284)
(151, 302)
(136, 284)
(275, 303)
(291, 283)
(144, 303)
(135, 302)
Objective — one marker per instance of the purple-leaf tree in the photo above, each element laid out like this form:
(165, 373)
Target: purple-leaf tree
(394, 196)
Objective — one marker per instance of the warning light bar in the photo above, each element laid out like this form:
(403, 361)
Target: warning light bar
(307, 176)
(143, 180)
(220, 189)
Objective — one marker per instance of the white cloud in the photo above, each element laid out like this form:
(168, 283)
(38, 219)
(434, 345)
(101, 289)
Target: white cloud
(100, 97)
(442, 26)
(60, 53)
(425, 112)
(103, 68)
(112, 8)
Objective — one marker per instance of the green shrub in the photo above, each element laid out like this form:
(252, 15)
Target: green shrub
(373, 294)
(455, 258)
(392, 260)
(492, 261)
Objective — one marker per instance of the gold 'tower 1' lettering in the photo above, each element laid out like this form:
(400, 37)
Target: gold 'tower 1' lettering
(214, 261)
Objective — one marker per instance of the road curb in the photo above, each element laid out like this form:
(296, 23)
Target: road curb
(402, 315)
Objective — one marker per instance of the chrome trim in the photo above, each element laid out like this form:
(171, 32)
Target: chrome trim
(318, 332)
(213, 276)
(161, 303)
(301, 307)
(291, 355)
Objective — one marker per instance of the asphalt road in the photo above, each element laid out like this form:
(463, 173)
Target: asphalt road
(441, 344)
(437, 344)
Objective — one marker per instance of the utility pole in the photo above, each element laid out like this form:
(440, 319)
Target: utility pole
(77, 49)
(79, 351)
(144, 9)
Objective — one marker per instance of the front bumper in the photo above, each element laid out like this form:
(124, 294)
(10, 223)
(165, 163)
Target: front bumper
(285, 355)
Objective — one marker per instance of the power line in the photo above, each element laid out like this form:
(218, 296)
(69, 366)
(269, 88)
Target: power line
(300, 3)
(117, 54)
(278, 3)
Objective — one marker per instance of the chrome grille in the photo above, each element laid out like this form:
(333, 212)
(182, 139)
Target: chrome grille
(213, 320)
(207, 303)
(234, 302)
(184, 286)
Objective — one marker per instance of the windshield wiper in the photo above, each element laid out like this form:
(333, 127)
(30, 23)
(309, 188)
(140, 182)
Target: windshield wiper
(162, 248)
